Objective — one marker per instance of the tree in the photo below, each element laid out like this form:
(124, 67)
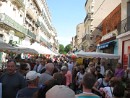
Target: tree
(61, 49)
(67, 48)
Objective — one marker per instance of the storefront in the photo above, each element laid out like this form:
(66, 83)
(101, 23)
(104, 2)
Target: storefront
(108, 43)
(124, 49)
(108, 47)
(126, 53)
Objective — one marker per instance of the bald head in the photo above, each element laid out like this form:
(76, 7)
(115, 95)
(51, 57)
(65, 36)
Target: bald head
(50, 67)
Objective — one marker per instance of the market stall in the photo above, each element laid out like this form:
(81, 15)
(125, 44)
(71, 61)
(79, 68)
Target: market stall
(97, 55)
(4, 47)
(20, 50)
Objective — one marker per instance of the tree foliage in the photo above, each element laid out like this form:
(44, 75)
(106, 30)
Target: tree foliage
(61, 49)
(67, 48)
(64, 50)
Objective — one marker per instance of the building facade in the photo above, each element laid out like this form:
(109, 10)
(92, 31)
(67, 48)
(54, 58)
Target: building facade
(124, 34)
(108, 42)
(87, 35)
(79, 32)
(24, 22)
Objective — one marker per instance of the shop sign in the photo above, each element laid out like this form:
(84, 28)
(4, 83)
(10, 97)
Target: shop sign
(109, 35)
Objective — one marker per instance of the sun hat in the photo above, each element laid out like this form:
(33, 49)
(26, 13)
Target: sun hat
(32, 75)
(60, 91)
(63, 68)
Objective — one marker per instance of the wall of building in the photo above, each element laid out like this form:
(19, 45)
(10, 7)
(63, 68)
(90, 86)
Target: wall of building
(79, 32)
(123, 47)
(123, 9)
(112, 20)
(24, 18)
(102, 9)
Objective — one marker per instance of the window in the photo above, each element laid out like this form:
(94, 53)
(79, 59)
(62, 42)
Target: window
(32, 28)
(115, 27)
(20, 15)
(14, 9)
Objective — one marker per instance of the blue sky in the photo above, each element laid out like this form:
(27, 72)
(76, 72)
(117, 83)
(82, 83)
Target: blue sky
(66, 15)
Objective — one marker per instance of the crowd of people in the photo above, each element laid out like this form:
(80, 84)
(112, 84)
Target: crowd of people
(63, 77)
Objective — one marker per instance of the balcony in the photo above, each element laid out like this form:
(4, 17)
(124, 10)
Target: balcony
(8, 23)
(47, 21)
(31, 14)
(86, 37)
(44, 29)
(19, 3)
(43, 40)
(38, 23)
(32, 35)
(38, 4)
(124, 26)
(88, 17)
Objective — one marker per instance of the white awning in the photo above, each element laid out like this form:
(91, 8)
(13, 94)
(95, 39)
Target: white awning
(25, 50)
(4, 47)
(41, 49)
(97, 55)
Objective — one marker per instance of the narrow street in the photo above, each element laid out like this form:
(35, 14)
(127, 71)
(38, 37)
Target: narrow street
(65, 49)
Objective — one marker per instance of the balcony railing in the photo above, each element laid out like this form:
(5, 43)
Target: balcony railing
(31, 14)
(84, 38)
(38, 4)
(43, 40)
(88, 17)
(18, 2)
(5, 19)
(124, 26)
(32, 35)
(44, 29)
(38, 23)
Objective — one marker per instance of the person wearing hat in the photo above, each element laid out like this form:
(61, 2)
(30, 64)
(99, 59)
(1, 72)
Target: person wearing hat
(32, 78)
(60, 91)
(64, 70)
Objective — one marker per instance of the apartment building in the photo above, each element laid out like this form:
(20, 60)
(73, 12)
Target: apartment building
(79, 32)
(74, 44)
(24, 22)
(108, 42)
(124, 34)
(97, 11)
(86, 39)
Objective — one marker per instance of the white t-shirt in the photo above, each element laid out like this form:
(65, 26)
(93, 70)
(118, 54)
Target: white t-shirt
(80, 77)
(108, 91)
